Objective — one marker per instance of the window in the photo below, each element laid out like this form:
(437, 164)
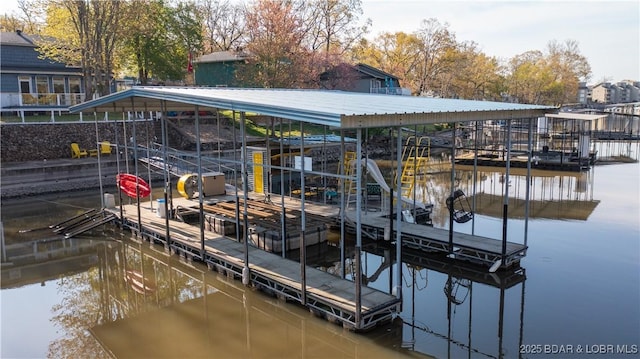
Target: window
(58, 85)
(74, 85)
(25, 84)
(42, 84)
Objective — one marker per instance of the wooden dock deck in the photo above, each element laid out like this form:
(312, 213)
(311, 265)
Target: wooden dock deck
(478, 249)
(328, 296)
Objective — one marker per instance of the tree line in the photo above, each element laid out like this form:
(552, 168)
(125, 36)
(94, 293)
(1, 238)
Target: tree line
(290, 43)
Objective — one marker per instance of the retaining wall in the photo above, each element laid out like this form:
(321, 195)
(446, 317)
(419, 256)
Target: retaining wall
(33, 142)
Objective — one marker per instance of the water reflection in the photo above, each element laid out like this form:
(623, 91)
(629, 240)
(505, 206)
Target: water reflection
(193, 312)
(438, 298)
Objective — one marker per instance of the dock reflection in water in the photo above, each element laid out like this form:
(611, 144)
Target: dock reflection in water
(194, 312)
(438, 297)
(137, 301)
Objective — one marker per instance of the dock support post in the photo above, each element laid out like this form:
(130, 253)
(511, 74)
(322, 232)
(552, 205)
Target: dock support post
(342, 163)
(453, 179)
(200, 194)
(167, 181)
(245, 189)
(505, 207)
(358, 273)
(303, 248)
(135, 166)
(528, 180)
(398, 214)
(2, 244)
(283, 212)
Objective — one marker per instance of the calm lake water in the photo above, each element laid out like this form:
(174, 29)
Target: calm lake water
(577, 295)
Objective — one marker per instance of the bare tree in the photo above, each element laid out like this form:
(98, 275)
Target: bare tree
(436, 40)
(224, 25)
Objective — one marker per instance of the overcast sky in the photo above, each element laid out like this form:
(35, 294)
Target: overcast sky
(607, 32)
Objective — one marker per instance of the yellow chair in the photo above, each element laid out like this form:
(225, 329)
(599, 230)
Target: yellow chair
(105, 148)
(77, 152)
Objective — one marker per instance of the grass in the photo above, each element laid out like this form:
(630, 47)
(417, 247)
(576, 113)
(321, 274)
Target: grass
(257, 130)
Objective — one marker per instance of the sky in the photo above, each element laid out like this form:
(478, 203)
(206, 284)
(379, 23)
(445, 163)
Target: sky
(607, 31)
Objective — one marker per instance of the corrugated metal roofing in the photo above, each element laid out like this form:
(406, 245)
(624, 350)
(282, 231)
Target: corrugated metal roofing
(576, 116)
(332, 108)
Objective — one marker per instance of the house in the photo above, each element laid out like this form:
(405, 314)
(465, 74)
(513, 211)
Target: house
(30, 84)
(362, 78)
(218, 69)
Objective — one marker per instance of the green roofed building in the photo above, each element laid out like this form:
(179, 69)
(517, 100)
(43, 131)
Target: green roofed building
(218, 68)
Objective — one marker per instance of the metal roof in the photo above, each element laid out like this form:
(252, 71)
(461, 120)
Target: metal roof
(336, 109)
(221, 56)
(576, 116)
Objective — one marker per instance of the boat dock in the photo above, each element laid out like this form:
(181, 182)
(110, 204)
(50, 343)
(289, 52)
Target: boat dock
(553, 160)
(473, 248)
(326, 295)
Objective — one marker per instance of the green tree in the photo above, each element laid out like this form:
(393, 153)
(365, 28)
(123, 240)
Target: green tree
(159, 38)
(396, 53)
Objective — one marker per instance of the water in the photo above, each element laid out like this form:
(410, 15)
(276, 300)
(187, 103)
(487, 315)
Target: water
(579, 289)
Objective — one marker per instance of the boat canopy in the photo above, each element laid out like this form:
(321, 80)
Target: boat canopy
(336, 109)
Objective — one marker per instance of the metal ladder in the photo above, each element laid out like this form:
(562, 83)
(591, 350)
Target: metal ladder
(414, 164)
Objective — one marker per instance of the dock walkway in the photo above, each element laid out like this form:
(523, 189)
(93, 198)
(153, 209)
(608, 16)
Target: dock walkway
(478, 249)
(326, 295)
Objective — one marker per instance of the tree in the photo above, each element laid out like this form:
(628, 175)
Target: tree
(159, 38)
(224, 27)
(436, 41)
(529, 77)
(331, 25)
(275, 37)
(569, 67)
(28, 19)
(83, 33)
(552, 78)
(397, 53)
(477, 75)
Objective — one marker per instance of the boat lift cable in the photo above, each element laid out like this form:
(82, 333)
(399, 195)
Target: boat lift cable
(426, 329)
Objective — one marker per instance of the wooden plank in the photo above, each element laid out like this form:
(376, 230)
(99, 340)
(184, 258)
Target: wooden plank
(256, 212)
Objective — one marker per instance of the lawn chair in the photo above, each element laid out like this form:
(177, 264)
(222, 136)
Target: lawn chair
(105, 148)
(77, 152)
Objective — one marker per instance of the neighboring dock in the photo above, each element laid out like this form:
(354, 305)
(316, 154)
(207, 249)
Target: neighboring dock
(325, 294)
(552, 160)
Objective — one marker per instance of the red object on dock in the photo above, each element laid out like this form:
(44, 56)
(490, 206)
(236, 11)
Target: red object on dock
(128, 182)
